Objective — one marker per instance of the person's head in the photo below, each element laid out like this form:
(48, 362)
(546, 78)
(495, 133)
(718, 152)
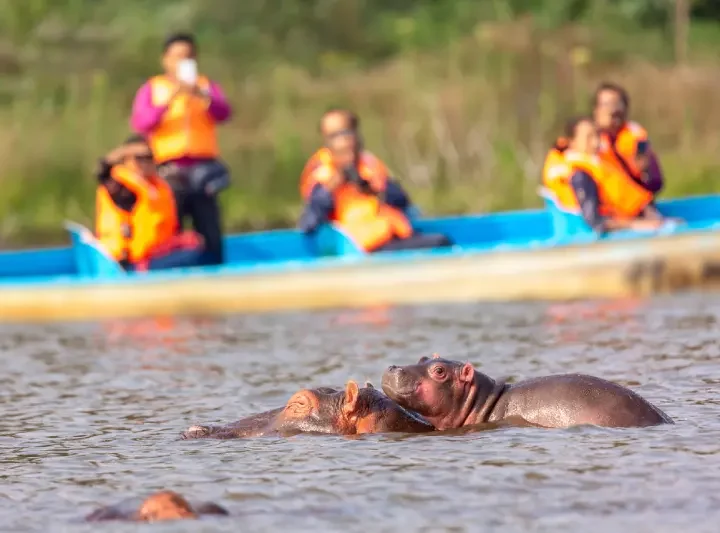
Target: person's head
(336, 121)
(610, 106)
(582, 135)
(177, 47)
(139, 156)
(345, 148)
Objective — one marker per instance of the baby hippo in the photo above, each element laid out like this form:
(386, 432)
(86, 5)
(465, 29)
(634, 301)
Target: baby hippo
(451, 394)
(323, 410)
(163, 505)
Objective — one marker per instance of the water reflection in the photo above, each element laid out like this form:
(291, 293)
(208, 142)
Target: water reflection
(570, 322)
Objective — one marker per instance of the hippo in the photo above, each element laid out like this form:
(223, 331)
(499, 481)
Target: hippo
(451, 394)
(326, 410)
(163, 505)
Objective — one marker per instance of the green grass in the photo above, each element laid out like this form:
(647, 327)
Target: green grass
(461, 101)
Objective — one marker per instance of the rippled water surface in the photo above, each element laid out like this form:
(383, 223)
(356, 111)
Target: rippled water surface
(91, 415)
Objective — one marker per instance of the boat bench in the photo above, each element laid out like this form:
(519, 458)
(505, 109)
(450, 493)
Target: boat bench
(91, 259)
(566, 222)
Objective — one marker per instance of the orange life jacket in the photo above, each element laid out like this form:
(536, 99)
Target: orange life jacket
(152, 221)
(372, 169)
(620, 196)
(622, 152)
(366, 220)
(186, 129)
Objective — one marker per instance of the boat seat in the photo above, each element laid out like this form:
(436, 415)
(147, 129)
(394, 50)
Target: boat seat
(566, 222)
(332, 240)
(91, 258)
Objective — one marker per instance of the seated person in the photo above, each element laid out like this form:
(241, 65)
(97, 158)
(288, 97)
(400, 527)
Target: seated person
(344, 193)
(622, 142)
(603, 194)
(137, 218)
(338, 121)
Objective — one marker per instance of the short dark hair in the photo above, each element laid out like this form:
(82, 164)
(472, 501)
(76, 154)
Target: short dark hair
(572, 124)
(180, 37)
(135, 139)
(351, 116)
(614, 87)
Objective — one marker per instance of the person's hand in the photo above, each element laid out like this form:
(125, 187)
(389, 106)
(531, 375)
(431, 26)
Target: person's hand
(117, 155)
(647, 224)
(642, 162)
(334, 181)
(191, 90)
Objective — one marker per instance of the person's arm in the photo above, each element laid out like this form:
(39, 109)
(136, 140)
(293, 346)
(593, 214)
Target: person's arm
(121, 196)
(218, 106)
(396, 196)
(145, 115)
(649, 164)
(318, 209)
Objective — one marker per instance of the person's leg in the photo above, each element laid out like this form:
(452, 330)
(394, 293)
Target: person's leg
(205, 213)
(418, 241)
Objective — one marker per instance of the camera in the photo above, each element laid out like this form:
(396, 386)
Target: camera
(352, 175)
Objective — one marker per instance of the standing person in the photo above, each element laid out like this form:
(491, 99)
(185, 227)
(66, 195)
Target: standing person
(177, 112)
(625, 143)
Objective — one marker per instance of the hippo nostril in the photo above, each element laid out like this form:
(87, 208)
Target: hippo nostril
(391, 368)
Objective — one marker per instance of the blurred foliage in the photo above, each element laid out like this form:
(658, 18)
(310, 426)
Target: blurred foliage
(454, 93)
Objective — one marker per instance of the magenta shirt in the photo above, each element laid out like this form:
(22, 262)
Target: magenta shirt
(146, 116)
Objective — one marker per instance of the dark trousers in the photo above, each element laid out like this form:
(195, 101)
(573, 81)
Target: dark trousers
(204, 211)
(418, 241)
(196, 188)
(178, 259)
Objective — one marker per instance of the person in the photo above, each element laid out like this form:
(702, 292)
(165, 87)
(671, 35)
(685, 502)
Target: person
(178, 112)
(344, 193)
(136, 218)
(337, 121)
(623, 142)
(581, 180)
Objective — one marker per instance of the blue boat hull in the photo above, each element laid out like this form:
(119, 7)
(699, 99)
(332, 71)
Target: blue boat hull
(282, 255)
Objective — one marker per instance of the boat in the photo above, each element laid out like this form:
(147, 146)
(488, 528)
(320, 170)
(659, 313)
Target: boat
(534, 254)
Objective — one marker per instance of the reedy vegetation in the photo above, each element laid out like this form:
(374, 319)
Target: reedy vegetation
(461, 97)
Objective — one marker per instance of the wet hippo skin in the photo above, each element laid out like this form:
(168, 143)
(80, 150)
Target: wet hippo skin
(163, 505)
(451, 394)
(323, 410)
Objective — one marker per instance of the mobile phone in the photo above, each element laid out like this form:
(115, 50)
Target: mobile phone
(642, 147)
(187, 71)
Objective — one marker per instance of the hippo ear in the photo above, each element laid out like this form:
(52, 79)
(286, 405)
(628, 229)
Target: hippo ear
(436, 355)
(369, 385)
(352, 392)
(301, 404)
(467, 373)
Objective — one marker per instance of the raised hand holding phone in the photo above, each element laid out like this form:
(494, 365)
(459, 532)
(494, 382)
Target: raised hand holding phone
(187, 72)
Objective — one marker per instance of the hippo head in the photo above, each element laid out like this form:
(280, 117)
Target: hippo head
(349, 412)
(165, 505)
(436, 388)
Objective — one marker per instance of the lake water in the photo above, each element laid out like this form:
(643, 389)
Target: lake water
(91, 415)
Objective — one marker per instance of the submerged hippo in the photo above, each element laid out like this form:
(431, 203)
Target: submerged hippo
(323, 410)
(451, 394)
(163, 505)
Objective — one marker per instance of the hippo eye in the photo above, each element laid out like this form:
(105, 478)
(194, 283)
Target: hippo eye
(439, 371)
